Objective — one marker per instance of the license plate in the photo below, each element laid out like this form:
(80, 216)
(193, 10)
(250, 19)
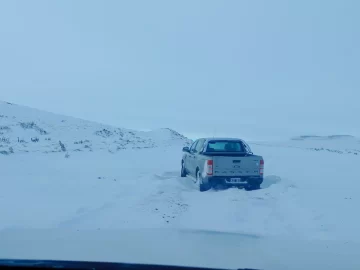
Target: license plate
(235, 180)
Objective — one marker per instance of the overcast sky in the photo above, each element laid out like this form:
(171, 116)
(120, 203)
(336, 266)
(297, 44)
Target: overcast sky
(251, 69)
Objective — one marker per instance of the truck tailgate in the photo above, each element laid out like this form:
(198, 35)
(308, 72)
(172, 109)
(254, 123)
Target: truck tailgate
(236, 166)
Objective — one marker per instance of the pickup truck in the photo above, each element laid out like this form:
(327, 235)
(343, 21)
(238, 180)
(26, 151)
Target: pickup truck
(222, 161)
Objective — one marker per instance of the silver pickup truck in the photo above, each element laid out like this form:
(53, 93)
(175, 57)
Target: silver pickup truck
(222, 161)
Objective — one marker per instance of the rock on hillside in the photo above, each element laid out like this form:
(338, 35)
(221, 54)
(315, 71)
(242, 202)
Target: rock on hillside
(315, 137)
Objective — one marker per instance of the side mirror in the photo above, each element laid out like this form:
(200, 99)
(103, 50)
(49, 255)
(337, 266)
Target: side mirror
(186, 149)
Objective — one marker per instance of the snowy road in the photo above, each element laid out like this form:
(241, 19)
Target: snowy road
(300, 197)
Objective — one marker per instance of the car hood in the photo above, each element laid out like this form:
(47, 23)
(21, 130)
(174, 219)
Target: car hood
(178, 247)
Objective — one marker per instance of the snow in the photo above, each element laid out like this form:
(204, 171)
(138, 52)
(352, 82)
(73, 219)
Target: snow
(117, 198)
(181, 247)
(29, 130)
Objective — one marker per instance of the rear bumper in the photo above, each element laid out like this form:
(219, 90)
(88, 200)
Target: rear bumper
(225, 180)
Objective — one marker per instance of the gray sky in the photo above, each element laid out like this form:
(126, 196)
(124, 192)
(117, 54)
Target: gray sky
(252, 69)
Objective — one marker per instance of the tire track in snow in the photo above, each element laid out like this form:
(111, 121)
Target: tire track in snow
(167, 200)
(165, 203)
(119, 210)
(275, 210)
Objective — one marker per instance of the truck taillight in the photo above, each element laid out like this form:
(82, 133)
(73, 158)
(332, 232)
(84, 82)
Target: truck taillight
(209, 167)
(262, 167)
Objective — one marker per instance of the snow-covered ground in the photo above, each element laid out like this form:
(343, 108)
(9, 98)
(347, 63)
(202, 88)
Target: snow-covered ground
(310, 192)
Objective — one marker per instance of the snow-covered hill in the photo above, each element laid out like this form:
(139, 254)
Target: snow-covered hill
(28, 130)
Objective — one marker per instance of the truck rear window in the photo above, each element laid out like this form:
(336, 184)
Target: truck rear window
(225, 146)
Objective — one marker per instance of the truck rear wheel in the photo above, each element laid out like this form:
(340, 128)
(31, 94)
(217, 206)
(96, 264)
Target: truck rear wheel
(183, 169)
(252, 187)
(202, 187)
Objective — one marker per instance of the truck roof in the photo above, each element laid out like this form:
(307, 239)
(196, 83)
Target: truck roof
(222, 139)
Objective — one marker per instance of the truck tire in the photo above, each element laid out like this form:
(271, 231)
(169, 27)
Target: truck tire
(202, 187)
(183, 170)
(252, 187)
